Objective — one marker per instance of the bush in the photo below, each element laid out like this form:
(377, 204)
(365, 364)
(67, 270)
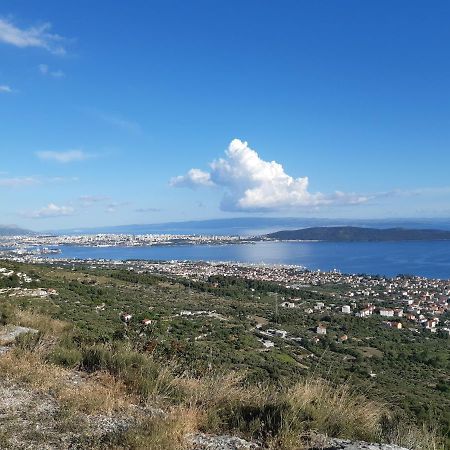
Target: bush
(66, 357)
(139, 372)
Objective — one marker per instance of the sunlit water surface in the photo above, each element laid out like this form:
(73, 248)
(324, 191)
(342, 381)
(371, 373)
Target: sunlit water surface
(429, 259)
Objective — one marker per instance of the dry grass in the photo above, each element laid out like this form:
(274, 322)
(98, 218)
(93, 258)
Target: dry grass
(43, 323)
(283, 418)
(99, 394)
(417, 438)
(144, 377)
(102, 394)
(335, 410)
(217, 390)
(117, 377)
(161, 433)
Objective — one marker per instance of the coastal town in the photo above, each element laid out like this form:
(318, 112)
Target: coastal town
(31, 242)
(414, 302)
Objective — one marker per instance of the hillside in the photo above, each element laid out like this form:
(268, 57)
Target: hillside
(13, 230)
(188, 358)
(360, 234)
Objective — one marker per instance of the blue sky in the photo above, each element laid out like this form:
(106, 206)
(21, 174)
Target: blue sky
(289, 108)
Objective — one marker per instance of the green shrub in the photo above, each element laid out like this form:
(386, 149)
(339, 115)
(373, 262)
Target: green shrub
(66, 357)
(139, 372)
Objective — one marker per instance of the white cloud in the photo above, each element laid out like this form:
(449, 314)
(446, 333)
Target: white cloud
(51, 210)
(63, 157)
(252, 184)
(37, 36)
(45, 70)
(5, 89)
(16, 182)
(194, 178)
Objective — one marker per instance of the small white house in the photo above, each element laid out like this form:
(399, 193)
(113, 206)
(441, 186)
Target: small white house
(279, 333)
(125, 317)
(364, 313)
(268, 344)
(346, 309)
(321, 329)
(386, 312)
(288, 305)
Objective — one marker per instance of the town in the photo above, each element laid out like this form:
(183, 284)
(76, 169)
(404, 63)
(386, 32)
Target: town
(44, 243)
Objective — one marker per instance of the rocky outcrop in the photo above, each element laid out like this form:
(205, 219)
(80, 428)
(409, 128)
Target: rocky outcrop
(201, 441)
(342, 444)
(209, 442)
(9, 333)
(34, 420)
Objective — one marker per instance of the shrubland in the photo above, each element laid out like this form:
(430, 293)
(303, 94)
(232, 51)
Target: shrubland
(170, 385)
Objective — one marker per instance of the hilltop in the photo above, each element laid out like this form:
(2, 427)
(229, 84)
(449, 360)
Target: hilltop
(359, 234)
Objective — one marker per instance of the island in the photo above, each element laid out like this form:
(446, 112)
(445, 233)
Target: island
(359, 234)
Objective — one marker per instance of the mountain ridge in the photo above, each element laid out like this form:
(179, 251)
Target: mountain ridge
(251, 226)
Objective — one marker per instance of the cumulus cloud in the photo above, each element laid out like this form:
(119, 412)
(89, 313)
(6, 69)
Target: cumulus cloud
(51, 210)
(5, 89)
(252, 184)
(194, 178)
(63, 157)
(37, 36)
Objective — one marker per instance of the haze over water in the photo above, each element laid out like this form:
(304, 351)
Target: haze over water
(423, 258)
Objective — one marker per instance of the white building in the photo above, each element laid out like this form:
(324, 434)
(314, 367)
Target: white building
(288, 305)
(386, 312)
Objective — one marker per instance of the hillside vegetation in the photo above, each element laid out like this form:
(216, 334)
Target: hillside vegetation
(112, 384)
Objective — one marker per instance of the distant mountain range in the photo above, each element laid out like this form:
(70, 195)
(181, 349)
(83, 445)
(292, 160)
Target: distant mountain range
(252, 226)
(13, 230)
(360, 234)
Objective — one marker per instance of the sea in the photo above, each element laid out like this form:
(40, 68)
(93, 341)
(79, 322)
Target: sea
(420, 258)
